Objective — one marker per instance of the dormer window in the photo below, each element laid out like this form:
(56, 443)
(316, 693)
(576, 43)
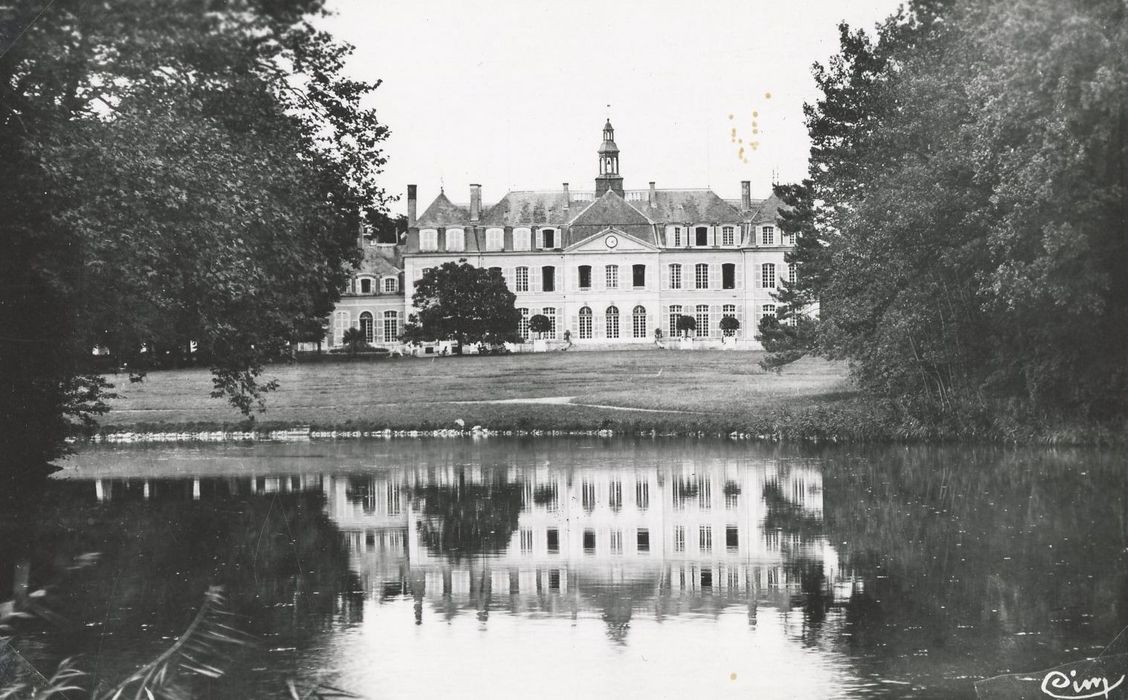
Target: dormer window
(390, 285)
(786, 238)
(701, 236)
(728, 236)
(365, 285)
(547, 238)
(522, 239)
(455, 240)
(428, 239)
(495, 239)
(767, 235)
(674, 237)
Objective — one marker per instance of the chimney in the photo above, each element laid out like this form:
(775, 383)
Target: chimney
(745, 195)
(653, 197)
(410, 206)
(475, 202)
(567, 196)
(360, 232)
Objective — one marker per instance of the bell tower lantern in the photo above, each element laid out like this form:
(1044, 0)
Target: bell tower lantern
(609, 178)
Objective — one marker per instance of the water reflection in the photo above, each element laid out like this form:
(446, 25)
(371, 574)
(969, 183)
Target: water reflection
(657, 568)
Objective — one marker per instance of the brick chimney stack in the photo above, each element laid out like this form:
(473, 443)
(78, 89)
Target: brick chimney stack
(410, 206)
(653, 196)
(745, 195)
(475, 202)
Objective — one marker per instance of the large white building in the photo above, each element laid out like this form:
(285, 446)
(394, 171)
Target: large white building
(609, 266)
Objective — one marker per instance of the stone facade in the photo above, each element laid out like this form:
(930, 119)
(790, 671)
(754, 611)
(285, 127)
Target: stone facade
(609, 267)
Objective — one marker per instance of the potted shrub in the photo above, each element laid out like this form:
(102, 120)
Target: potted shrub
(684, 325)
(540, 325)
(729, 326)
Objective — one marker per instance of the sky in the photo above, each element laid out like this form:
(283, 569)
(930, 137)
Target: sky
(513, 94)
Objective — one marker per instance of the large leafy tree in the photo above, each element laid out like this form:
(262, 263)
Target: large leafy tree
(175, 174)
(962, 225)
(464, 304)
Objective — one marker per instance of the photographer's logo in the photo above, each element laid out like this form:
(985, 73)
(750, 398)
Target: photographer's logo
(1058, 684)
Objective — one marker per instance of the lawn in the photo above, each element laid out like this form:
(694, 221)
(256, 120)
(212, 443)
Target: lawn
(681, 391)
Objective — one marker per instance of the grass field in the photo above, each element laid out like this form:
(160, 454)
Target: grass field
(677, 391)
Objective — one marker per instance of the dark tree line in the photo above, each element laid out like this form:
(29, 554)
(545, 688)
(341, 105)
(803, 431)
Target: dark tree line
(171, 173)
(964, 225)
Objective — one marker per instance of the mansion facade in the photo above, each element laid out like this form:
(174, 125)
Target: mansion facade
(608, 267)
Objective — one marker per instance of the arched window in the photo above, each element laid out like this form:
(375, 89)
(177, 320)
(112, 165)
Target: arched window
(702, 318)
(365, 285)
(638, 321)
(767, 275)
(367, 328)
(585, 323)
(455, 239)
(548, 240)
(612, 322)
(391, 326)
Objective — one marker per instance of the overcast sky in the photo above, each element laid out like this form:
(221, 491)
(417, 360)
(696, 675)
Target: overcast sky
(512, 94)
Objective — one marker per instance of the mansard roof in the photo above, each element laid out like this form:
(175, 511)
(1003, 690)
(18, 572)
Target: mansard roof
(443, 212)
(530, 209)
(610, 210)
(689, 207)
(767, 212)
(380, 260)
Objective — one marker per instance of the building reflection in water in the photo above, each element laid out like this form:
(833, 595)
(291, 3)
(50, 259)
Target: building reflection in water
(693, 538)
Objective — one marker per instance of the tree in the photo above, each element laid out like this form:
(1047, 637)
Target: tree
(540, 324)
(463, 304)
(729, 324)
(685, 324)
(961, 227)
(354, 340)
(171, 176)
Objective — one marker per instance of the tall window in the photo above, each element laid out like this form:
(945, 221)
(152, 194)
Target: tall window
(675, 311)
(616, 541)
(701, 236)
(522, 239)
(367, 327)
(615, 496)
(675, 276)
(767, 275)
(428, 239)
(585, 276)
(702, 318)
(612, 322)
(365, 285)
(732, 538)
(676, 239)
(585, 323)
(390, 285)
(791, 273)
(495, 238)
(768, 310)
(701, 275)
(612, 276)
(526, 541)
(455, 239)
(548, 278)
(767, 235)
(391, 326)
(728, 276)
(588, 496)
(550, 313)
(705, 538)
(523, 324)
(548, 236)
(638, 322)
(642, 540)
(679, 538)
(642, 494)
(638, 275)
(786, 238)
(729, 310)
(728, 235)
(589, 541)
(522, 279)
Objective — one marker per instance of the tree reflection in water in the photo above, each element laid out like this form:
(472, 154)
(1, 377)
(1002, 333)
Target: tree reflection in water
(463, 519)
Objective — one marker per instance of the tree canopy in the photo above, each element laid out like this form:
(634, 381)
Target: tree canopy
(187, 174)
(963, 225)
(464, 304)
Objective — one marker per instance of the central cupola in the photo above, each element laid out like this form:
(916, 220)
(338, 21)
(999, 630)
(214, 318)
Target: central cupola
(609, 178)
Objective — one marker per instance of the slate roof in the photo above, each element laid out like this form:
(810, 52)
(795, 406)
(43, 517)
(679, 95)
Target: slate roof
(380, 260)
(610, 210)
(443, 212)
(766, 212)
(531, 209)
(689, 207)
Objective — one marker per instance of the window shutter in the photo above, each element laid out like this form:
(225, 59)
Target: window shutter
(740, 275)
(756, 275)
(715, 321)
(598, 325)
(558, 279)
(510, 278)
(714, 276)
(534, 279)
(540, 239)
(665, 272)
(574, 326)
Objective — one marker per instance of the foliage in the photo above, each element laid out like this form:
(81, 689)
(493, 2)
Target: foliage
(466, 519)
(464, 304)
(685, 324)
(962, 226)
(729, 324)
(354, 340)
(539, 324)
(172, 178)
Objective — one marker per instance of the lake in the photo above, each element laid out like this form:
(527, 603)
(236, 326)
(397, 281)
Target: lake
(581, 567)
